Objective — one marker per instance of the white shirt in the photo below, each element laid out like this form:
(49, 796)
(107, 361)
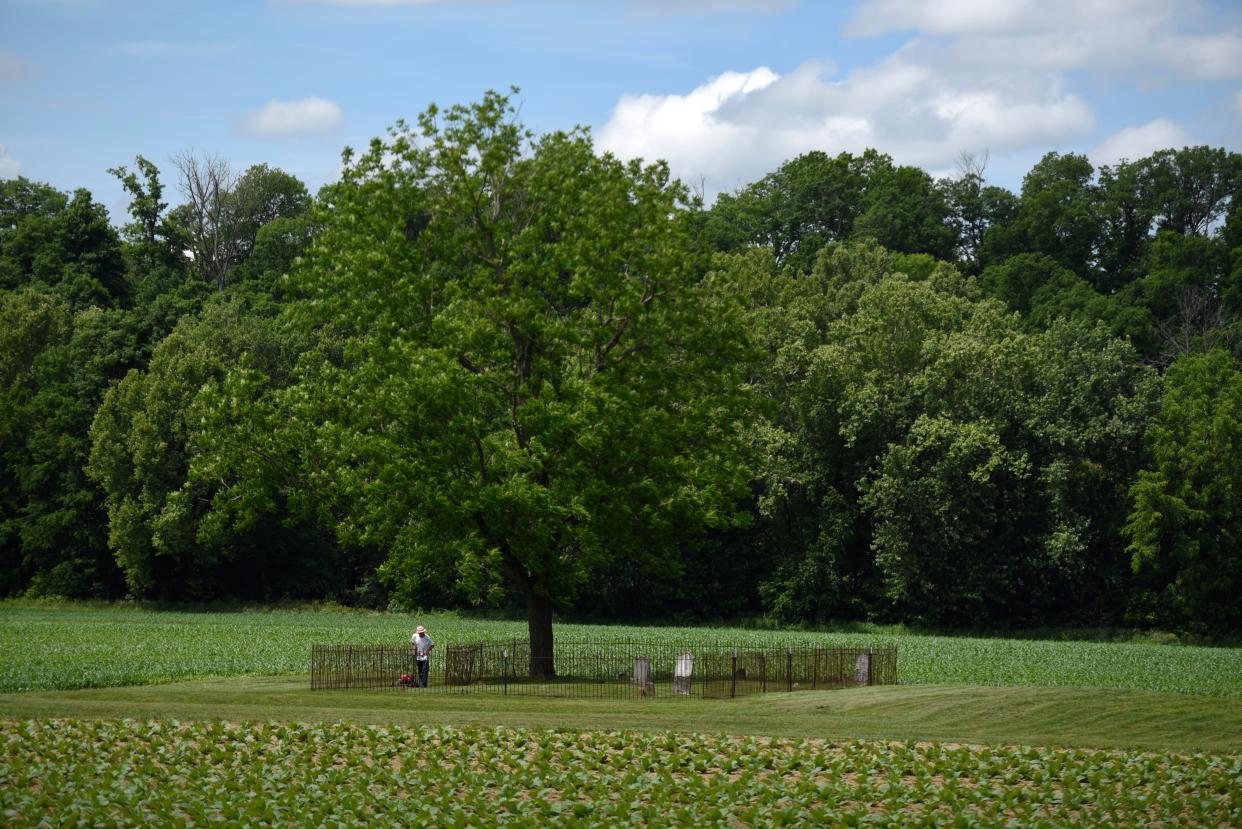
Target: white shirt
(422, 646)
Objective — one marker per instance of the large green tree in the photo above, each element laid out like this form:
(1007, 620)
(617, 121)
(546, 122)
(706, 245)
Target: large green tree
(530, 376)
(1058, 216)
(1186, 522)
(809, 201)
(54, 368)
(144, 439)
(930, 459)
(973, 207)
(904, 211)
(62, 244)
(1191, 189)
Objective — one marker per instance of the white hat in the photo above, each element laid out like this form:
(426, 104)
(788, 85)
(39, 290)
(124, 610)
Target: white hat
(420, 629)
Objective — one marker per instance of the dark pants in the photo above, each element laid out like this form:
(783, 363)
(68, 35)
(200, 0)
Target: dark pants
(423, 666)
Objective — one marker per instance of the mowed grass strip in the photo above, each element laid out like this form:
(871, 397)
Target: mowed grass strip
(1066, 717)
(92, 646)
(170, 773)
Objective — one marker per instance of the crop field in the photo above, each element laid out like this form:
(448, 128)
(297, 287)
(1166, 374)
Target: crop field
(254, 746)
(129, 772)
(86, 647)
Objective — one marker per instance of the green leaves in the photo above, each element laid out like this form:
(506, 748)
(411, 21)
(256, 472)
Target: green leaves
(528, 370)
(933, 459)
(266, 774)
(55, 368)
(1184, 524)
(165, 451)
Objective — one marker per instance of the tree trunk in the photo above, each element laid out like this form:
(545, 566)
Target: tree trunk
(538, 608)
(539, 624)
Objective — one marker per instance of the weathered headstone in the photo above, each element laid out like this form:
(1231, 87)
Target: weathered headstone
(683, 669)
(642, 670)
(862, 669)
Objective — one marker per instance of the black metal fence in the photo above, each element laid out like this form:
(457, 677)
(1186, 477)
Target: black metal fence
(586, 668)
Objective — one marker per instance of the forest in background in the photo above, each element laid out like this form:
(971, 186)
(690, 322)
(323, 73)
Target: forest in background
(492, 368)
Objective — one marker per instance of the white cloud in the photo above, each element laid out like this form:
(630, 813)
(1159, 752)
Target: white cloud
(994, 76)
(1133, 143)
(9, 167)
(13, 68)
(947, 17)
(741, 125)
(1148, 37)
(301, 117)
(1237, 100)
(684, 128)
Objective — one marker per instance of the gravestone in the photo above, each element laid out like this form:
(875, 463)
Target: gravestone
(683, 669)
(862, 669)
(642, 670)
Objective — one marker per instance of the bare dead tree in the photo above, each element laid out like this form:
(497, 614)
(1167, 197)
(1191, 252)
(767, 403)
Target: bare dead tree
(972, 165)
(207, 182)
(967, 211)
(1201, 323)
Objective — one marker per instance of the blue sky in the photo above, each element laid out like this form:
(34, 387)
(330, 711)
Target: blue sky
(725, 90)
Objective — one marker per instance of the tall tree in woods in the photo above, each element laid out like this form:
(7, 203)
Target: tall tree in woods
(206, 217)
(1185, 521)
(224, 212)
(523, 372)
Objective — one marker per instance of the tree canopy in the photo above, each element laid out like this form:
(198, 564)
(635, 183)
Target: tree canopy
(529, 374)
(492, 367)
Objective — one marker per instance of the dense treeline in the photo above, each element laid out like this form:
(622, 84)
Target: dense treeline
(490, 367)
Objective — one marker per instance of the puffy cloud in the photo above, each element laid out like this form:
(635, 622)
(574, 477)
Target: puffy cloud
(301, 117)
(995, 76)
(9, 166)
(684, 129)
(741, 125)
(1133, 143)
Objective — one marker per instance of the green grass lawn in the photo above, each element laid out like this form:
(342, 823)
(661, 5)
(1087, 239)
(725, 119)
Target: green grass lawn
(1066, 717)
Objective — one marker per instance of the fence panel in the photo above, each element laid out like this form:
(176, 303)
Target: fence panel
(587, 668)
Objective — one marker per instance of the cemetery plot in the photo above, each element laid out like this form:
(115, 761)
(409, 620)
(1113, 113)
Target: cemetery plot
(608, 668)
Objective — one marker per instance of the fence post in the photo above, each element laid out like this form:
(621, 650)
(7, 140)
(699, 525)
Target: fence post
(733, 676)
(788, 668)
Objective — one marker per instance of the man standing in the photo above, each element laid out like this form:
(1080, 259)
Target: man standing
(421, 645)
